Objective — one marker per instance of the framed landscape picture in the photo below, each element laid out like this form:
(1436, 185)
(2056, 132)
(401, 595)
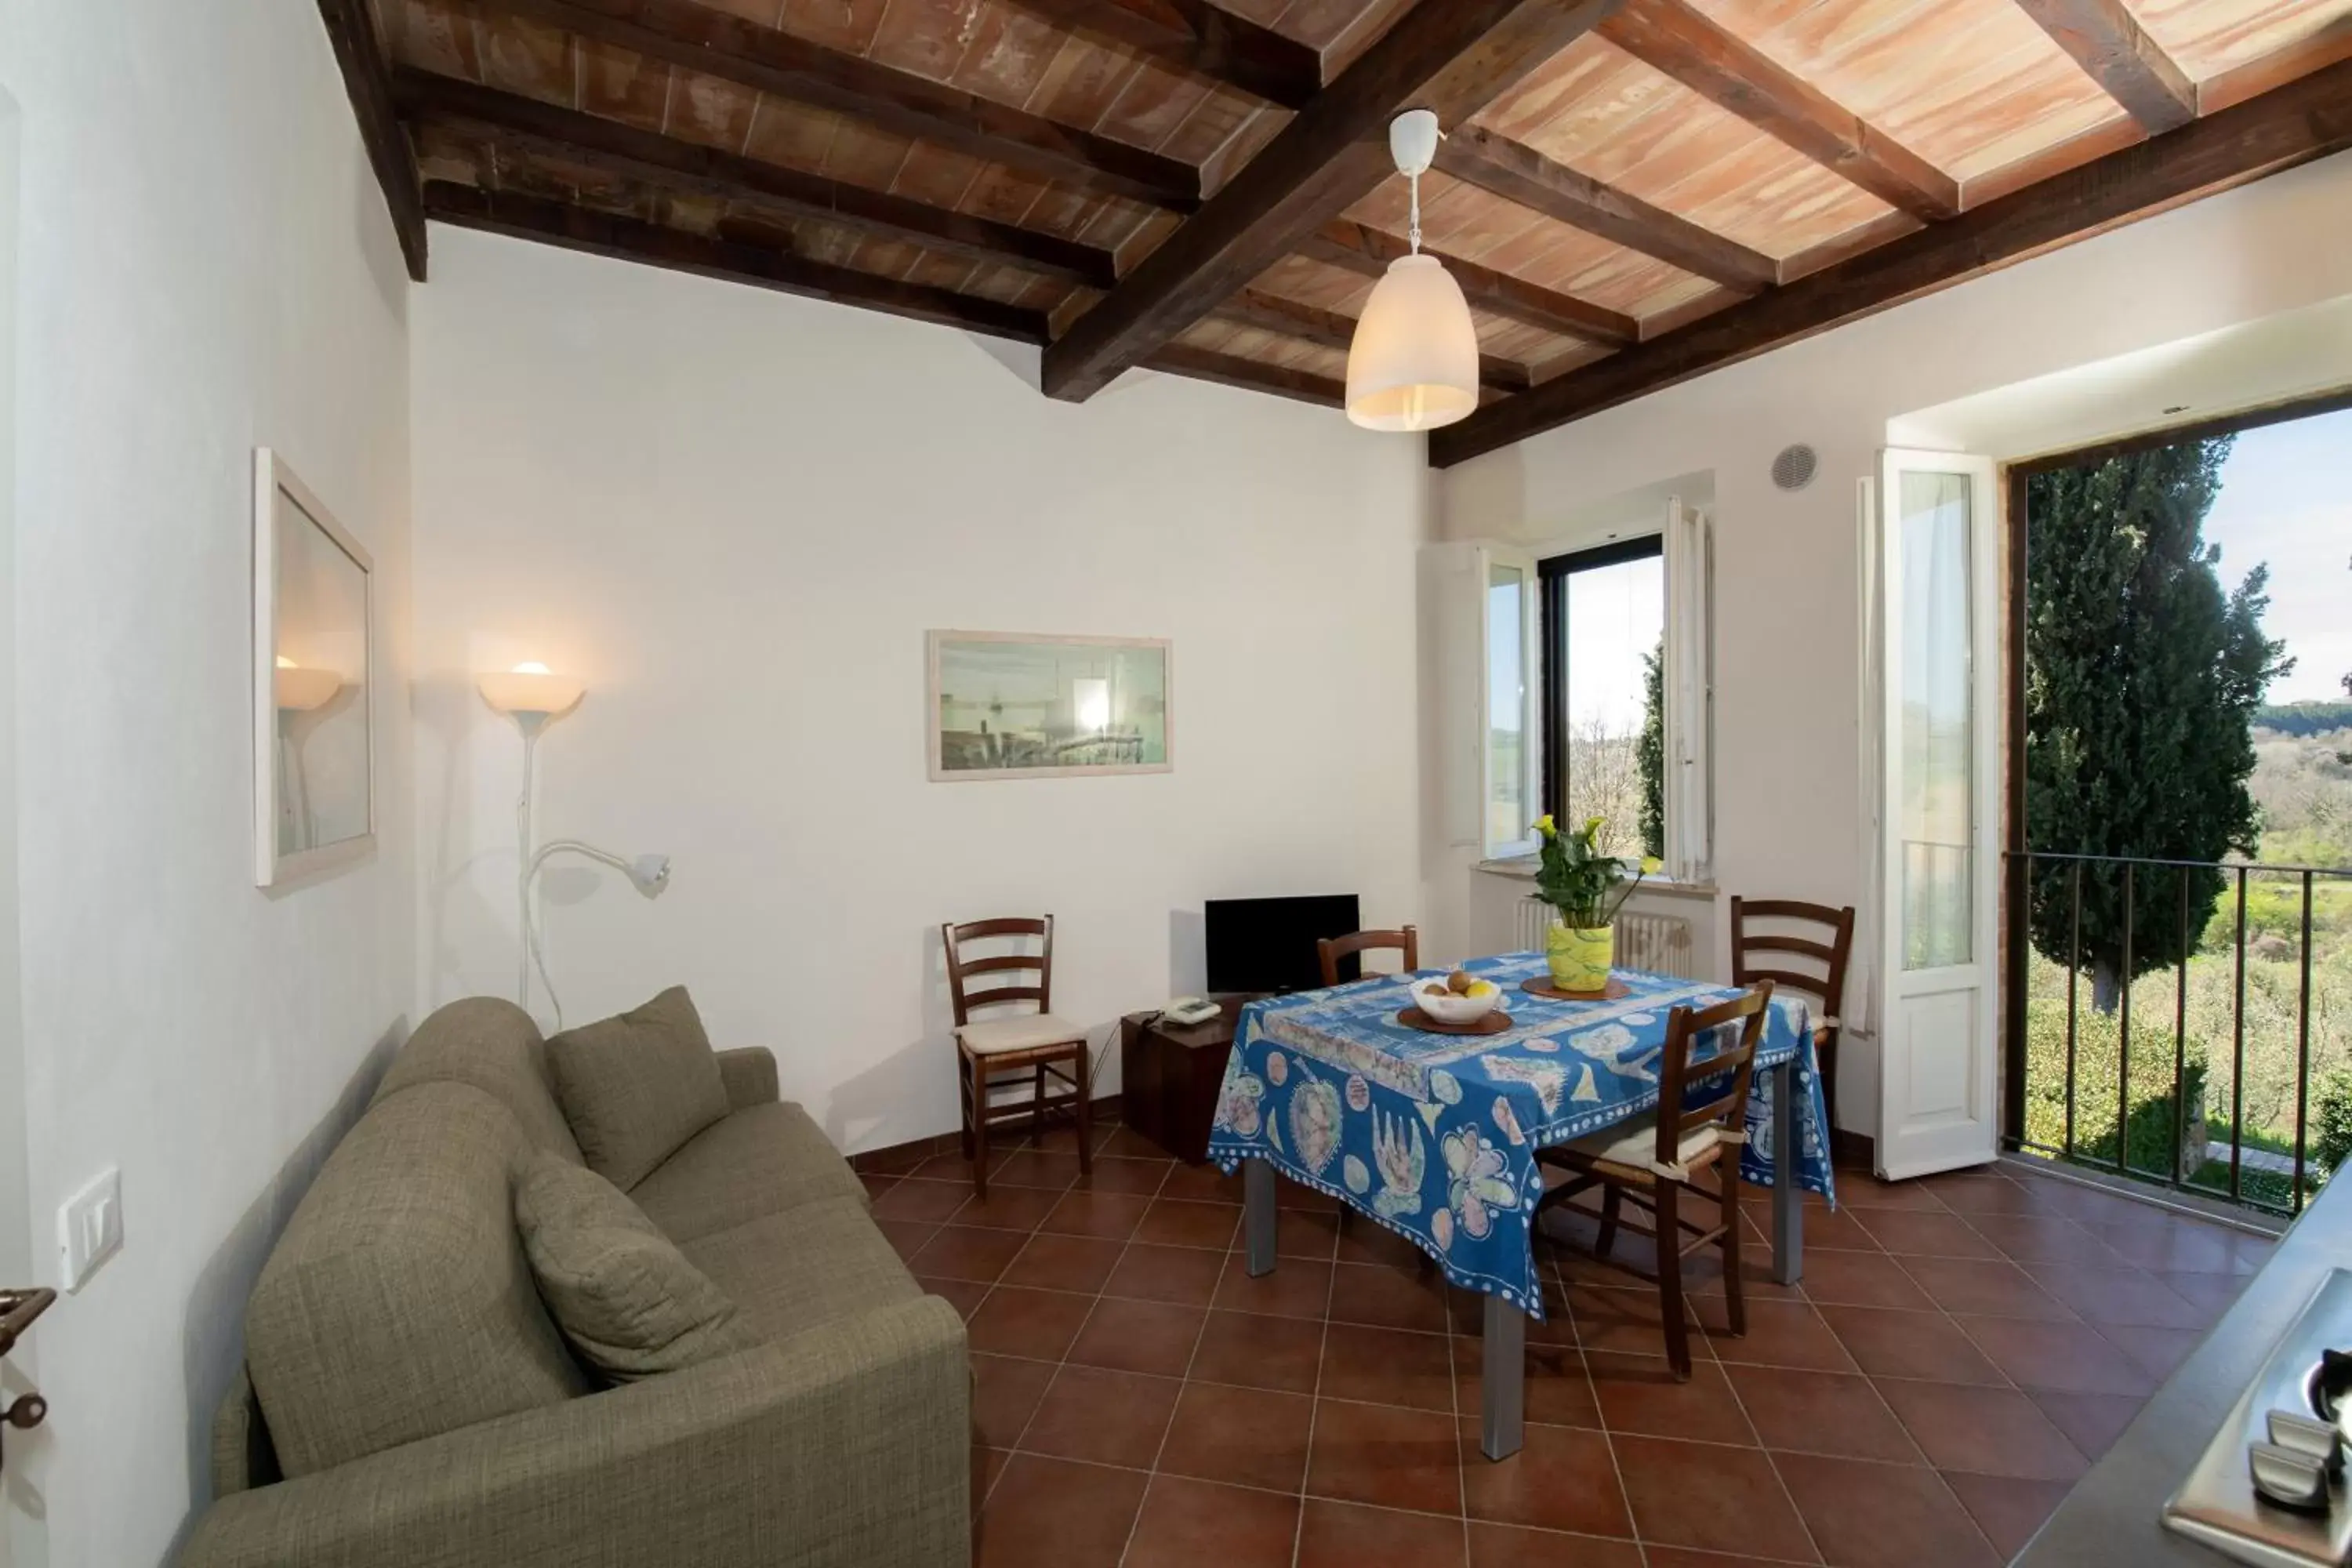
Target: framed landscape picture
(1010, 705)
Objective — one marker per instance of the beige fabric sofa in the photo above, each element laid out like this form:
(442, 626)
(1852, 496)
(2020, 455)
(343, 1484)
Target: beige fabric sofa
(407, 1403)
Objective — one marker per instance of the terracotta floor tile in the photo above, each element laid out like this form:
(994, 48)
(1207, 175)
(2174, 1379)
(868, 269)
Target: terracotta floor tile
(1343, 1535)
(1289, 1195)
(1247, 1437)
(1258, 1352)
(1640, 1393)
(2038, 1237)
(1680, 1557)
(1295, 1289)
(1867, 1192)
(1860, 1280)
(1197, 1524)
(1110, 1216)
(876, 1183)
(2211, 1294)
(1184, 1275)
(1038, 1324)
(1987, 1431)
(1005, 1394)
(1364, 1240)
(1054, 1511)
(1007, 1208)
(1052, 1262)
(1780, 1333)
(2092, 1422)
(1203, 1183)
(2156, 1350)
(987, 1464)
(1387, 1366)
(1925, 1345)
(1562, 1478)
(1821, 1413)
(1385, 1298)
(1608, 1318)
(1118, 1174)
(1309, 1235)
(1993, 1287)
(1173, 1222)
(2007, 1509)
(1387, 1455)
(964, 1295)
(1923, 1235)
(1138, 1336)
(2120, 1295)
(1837, 1230)
(2071, 1357)
(948, 1167)
(2179, 1245)
(906, 1237)
(1515, 1546)
(1882, 1516)
(1558, 1392)
(1108, 1417)
(1029, 1168)
(965, 1252)
(1713, 1499)
(1128, 1142)
(1986, 1191)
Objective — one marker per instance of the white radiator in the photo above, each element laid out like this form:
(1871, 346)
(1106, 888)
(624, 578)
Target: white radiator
(1659, 943)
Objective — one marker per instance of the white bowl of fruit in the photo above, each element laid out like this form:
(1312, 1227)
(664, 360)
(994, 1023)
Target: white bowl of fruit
(1460, 997)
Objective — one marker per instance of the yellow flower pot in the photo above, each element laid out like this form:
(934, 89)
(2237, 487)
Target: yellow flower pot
(1581, 959)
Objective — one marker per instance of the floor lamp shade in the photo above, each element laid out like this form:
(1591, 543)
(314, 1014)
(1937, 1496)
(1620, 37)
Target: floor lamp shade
(1414, 364)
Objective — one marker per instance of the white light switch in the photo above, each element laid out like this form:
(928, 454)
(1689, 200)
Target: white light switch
(90, 1229)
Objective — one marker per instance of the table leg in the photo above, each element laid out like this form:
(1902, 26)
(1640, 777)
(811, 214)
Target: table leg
(1503, 1379)
(1257, 1216)
(1787, 1197)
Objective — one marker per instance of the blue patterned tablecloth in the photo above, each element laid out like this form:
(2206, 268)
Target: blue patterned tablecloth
(1435, 1135)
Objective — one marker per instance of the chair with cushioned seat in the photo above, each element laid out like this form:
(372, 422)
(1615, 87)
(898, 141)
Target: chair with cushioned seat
(1830, 952)
(990, 1050)
(1656, 1157)
(1330, 950)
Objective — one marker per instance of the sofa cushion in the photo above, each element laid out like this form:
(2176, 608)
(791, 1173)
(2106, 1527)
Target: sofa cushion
(636, 1087)
(788, 1273)
(492, 1045)
(398, 1305)
(628, 1300)
(758, 1162)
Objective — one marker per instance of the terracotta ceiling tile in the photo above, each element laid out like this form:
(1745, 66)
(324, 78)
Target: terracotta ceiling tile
(621, 85)
(525, 58)
(436, 38)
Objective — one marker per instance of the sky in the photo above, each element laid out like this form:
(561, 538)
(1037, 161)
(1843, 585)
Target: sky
(2287, 499)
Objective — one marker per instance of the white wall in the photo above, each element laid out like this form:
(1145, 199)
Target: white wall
(735, 514)
(1788, 762)
(204, 265)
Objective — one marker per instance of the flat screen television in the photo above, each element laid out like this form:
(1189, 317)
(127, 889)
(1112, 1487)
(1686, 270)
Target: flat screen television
(1268, 944)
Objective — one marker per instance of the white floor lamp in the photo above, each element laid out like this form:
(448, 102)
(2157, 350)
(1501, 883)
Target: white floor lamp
(531, 695)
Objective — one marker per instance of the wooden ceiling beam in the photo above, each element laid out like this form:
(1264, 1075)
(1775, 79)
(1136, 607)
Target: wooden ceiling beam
(632, 239)
(1519, 173)
(367, 78)
(1337, 330)
(1672, 38)
(703, 38)
(531, 126)
(1250, 375)
(2307, 119)
(1452, 57)
(1198, 38)
(1364, 249)
(2109, 43)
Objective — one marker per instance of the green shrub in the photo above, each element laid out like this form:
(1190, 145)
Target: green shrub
(2150, 1125)
(2331, 1134)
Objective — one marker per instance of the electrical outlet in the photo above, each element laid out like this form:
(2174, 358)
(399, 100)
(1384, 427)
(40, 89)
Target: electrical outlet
(90, 1229)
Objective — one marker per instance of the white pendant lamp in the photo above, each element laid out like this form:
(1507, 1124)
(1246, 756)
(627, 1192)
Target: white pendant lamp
(1414, 364)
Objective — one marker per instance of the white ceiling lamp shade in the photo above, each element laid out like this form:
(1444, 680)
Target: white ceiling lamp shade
(1414, 363)
(531, 689)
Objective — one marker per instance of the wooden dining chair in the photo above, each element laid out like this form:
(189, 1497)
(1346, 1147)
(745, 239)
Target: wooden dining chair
(1824, 941)
(1330, 950)
(1033, 1042)
(1654, 1160)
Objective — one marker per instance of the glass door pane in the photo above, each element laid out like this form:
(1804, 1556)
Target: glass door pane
(1937, 736)
(1508, 605)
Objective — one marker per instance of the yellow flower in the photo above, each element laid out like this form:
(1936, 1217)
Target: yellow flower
(1543, 825)
(1650, 864)
(1591, 826)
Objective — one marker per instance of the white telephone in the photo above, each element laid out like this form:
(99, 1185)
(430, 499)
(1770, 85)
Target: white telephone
(1189, 1010)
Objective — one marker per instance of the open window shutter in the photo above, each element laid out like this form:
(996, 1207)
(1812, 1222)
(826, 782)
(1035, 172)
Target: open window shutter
(1690, 692)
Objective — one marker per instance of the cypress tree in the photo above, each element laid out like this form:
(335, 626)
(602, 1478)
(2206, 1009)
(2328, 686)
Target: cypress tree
(1650, 751)
(2142, 678)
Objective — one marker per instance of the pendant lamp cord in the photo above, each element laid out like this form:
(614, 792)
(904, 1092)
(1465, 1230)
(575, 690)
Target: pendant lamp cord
(1412, 232)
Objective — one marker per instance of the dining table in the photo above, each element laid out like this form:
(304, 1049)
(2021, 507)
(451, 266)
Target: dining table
(1433, 1135)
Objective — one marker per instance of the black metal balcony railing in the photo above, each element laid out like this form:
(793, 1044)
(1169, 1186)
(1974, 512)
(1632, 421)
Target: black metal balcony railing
(2042, 883)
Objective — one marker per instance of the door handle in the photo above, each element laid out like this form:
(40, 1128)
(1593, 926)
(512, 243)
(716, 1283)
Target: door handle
(17, 1310)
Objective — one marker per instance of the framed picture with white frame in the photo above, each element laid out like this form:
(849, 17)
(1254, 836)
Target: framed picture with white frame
(1012, 705)
(313, 683)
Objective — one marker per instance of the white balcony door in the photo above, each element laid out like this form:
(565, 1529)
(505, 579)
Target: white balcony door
(1938, 528)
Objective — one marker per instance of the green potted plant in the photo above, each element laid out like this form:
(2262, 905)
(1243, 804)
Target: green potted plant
(1588, 888)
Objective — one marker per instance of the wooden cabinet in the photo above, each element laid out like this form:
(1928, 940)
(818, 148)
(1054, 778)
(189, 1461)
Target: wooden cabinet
(1169, 1074)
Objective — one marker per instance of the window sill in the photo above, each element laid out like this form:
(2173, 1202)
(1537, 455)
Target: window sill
(1523, 867)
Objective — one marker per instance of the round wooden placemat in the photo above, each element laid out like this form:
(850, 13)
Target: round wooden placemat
(1494, 1023)
(1536, 985)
